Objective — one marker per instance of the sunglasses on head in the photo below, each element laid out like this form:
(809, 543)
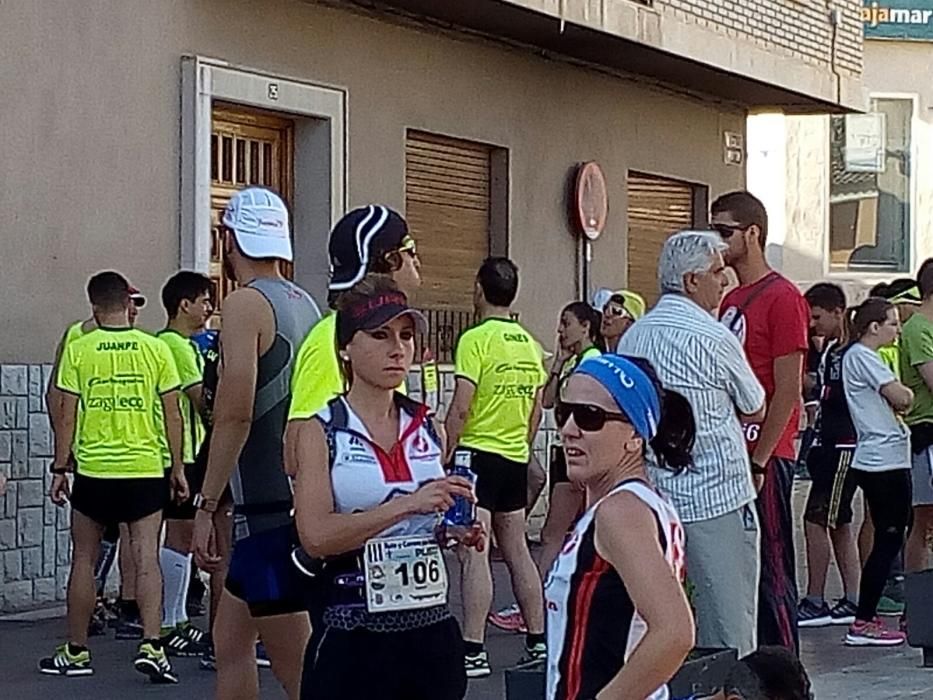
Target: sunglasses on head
(726, 231)
(588, 418)
(617, 311)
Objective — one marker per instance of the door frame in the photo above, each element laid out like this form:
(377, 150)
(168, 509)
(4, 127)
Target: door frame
(204, 80)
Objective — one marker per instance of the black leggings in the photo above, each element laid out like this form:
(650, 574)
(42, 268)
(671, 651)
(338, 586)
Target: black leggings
(888, 496)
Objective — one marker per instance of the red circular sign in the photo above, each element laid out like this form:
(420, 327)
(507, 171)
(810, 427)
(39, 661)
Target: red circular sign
(591, 200)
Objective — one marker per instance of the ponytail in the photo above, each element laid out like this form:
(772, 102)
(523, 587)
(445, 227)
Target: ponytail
(677, 429)
(859, 318)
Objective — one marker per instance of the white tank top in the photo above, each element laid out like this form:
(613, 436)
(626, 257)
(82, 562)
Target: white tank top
(364, 476)
(592, 624)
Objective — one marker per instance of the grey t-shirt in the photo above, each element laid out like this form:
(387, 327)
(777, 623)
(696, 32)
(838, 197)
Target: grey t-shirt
(883, 439)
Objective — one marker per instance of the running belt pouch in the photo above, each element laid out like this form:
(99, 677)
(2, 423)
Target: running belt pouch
(921, 437)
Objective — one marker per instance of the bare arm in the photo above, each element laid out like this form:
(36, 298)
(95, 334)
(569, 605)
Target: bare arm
(627, 537)
(535, 422)
(236, 388)
(899, 396)
(549, 397)
(787, 391)
(173, 427)
(196, 395)
(458, 413)
(65, 433)
(926, 371)
(290, 447)
(323, 532)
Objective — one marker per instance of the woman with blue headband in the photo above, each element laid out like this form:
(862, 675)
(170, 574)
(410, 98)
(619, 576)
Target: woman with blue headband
(619, 625)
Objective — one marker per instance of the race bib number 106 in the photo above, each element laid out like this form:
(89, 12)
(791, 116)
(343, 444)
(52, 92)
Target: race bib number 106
(404, 573)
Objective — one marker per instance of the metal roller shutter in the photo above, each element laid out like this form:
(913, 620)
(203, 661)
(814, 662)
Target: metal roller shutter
(447, 191)
(657, 208)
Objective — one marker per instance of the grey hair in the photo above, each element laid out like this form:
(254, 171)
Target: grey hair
(684, 253)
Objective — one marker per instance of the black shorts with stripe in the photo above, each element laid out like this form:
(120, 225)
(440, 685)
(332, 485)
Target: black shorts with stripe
(832, 488)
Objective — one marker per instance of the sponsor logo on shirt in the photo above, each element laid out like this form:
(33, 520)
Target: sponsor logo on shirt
(734, 320)
(109, 404)
(117, 380)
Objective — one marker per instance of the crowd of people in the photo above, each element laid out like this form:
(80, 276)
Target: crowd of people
(285, 452)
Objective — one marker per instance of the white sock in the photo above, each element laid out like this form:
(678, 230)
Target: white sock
(181, 601)
(175, 571)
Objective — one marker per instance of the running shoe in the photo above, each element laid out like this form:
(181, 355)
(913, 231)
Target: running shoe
(262, 658)
(154, 663)
(178, 642)
(843, 612)
(193, 633)
(889, 607)
(534, 656)
(809, 614)
(509, 619)
(208, 661)
(477, 665)
(64, 663)
(98, 624)
(873, 634)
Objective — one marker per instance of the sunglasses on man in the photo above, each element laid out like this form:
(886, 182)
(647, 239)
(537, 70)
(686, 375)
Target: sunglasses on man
(589, 418)
(726, 231)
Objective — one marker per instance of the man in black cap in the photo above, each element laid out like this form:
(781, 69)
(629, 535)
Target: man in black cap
(369, 239)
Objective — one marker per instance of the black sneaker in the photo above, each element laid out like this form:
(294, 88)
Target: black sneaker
(477, 665)
(64, 663)
(178, 642)
(208, 661)
(128, 629)
(843, 612)
(154, 663)
(534, 656)
(810, 614)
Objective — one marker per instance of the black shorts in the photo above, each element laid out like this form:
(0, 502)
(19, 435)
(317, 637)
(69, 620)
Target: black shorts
(112, 501)
(501, 484)
(832, 486)
(186, 511)
(419, 664)
(263, 576)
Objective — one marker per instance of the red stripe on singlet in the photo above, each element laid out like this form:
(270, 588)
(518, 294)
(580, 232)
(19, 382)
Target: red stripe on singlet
(581, 611)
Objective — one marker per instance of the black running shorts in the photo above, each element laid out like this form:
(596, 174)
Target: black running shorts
(111, 501)
(501, 484)
(832, 486)
(420, 664)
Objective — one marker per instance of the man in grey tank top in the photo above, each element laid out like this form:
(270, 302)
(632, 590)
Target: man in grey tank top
(264, 323)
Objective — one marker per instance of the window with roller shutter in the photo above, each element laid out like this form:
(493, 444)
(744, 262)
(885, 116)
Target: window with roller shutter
(657, 208)
(450, 205)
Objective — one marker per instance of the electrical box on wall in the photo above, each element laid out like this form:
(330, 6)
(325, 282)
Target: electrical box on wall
(733, 148)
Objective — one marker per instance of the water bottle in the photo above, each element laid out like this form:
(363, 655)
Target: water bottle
(460, 517)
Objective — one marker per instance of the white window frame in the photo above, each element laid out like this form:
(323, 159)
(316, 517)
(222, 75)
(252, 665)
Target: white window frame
(205, 80)
(872, 278)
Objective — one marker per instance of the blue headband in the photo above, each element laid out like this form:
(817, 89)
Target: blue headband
(631, 389)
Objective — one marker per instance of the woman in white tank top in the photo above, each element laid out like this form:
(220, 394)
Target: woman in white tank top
(370, 492)
(619, 624)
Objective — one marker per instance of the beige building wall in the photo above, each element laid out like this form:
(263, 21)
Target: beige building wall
(89, 153)
(892, 69)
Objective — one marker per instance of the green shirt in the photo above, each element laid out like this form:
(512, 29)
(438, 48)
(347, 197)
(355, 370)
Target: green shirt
(190, 368)
(316, 378)
(504, 362)
(118, 375)
(917, 349)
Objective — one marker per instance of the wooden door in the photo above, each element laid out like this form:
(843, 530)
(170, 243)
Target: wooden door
(657, 208)
(248, 147)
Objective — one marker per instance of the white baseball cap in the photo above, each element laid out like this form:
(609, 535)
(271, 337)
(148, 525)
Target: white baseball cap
(259, 220)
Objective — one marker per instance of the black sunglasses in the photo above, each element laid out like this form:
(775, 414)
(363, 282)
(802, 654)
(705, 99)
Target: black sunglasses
(589, 419)
(726, 231)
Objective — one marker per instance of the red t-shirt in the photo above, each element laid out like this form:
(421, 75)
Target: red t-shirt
(770, 318)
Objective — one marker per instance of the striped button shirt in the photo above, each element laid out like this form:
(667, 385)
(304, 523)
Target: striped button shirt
(698, 357)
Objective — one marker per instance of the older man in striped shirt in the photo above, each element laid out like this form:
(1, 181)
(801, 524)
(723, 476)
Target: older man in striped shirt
(697, 356)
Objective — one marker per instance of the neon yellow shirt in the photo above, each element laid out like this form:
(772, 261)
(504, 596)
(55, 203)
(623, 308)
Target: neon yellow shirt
(190, 368)
(891, 356)
(316, 378)
(118, 375)
(75, 331)
(504, 362)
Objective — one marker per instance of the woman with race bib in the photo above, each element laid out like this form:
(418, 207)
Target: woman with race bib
(369, 497)
(619, 624)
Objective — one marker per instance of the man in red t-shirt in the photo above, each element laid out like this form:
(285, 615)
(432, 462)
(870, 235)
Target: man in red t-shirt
(770, 316)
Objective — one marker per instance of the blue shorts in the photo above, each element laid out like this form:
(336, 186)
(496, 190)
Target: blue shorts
(262, 574)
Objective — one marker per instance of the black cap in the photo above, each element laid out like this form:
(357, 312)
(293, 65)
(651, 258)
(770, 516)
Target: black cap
(375, 312)
(360, 237)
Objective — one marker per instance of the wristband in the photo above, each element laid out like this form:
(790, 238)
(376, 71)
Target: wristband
(208, 505)
(57, 470)
(758, 470)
